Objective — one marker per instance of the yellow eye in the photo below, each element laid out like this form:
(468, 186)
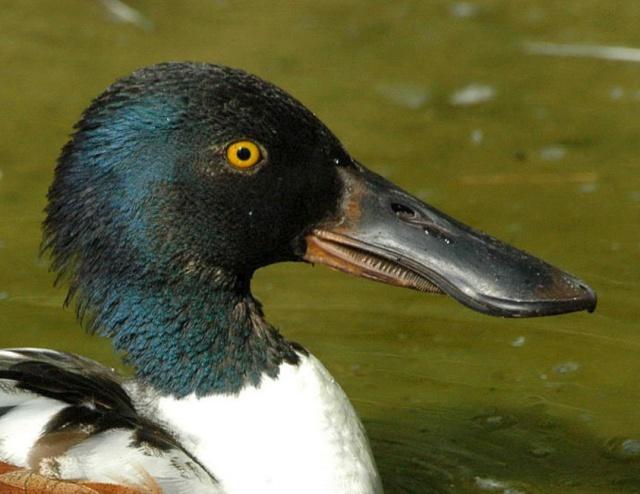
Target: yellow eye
(243, 154)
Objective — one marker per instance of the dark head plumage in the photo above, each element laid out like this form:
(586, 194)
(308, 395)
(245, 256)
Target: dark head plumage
(143, 184)
(144, 204)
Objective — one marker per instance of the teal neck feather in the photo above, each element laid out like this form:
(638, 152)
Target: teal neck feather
(194, 336)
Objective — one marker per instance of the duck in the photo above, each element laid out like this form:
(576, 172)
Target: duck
(180, 181)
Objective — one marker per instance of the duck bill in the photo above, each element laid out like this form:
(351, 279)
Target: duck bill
(385, 234)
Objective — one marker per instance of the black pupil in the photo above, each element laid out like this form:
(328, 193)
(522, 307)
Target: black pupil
(243, 154)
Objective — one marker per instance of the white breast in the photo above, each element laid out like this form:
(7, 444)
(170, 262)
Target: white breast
(296, 433)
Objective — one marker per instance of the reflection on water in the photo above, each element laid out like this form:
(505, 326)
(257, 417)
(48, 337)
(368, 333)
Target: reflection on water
(448, 100)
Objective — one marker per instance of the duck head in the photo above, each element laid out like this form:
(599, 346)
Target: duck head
(184, 168)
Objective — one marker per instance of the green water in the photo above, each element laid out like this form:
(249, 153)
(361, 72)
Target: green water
(453, 401)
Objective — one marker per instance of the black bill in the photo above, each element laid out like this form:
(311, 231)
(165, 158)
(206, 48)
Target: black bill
(385, 234)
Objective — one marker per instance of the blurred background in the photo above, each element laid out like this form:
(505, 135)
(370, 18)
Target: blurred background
(521, 118)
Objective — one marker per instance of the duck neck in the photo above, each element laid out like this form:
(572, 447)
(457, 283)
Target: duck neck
(193, 335)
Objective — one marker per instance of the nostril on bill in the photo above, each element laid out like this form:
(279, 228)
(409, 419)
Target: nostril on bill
(410, 216)
(403, 212)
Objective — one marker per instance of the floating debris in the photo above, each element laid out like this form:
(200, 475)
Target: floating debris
(566, 367)
(476, 137)
(410, 96)
(518, 342)
(463, 9)
(473, 94)
(121, 12)
(552, 153)
(604, 52)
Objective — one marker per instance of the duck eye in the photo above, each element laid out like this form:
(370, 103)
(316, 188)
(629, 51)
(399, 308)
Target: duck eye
(243, 154)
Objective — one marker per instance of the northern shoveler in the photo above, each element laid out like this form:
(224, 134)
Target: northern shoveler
(180, 181)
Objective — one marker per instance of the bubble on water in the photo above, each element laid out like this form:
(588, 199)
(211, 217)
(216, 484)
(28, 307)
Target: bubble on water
(472, 94)
(566, 367)
(463, 9)
(616, 93)
(541, 450)
(503, 487)
(623, 448)
(121, 12)
(494, 422)
(552, 153)
(518, 342)
(489, 484)
(631, 447)
(588, 187)
(476, 137)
